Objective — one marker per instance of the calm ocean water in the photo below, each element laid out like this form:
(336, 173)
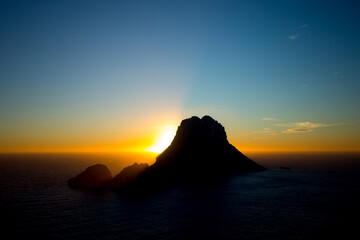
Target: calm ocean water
(317, 199)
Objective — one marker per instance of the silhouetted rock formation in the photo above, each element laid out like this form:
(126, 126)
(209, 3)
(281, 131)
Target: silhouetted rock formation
(200, 152)
(200, 148)
(127, 175)
(94, 177)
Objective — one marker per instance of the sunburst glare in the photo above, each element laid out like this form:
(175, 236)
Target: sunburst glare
(163, 140)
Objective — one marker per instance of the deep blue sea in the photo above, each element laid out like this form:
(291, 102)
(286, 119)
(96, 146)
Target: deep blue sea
(316, 199)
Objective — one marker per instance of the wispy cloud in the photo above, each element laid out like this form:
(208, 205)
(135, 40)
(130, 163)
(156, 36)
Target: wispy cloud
(266, 131)
(297, 130)
(297, 35)
(336, 73)
(294, 36)
(304, 85)
(269, 119)
(304, 126)
(303, 26)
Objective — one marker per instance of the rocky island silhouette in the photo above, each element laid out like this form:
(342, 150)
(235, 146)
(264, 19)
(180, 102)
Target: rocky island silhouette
(199, 153)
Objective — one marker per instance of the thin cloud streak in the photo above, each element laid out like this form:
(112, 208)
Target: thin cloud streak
(304, 126)
(297, 35)
(296, 130)
(266, 131)
(294, 36)
(303, 26)
(269, 119)
(304, 85)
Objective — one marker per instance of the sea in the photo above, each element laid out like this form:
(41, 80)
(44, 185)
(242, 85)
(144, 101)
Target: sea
(300, 196)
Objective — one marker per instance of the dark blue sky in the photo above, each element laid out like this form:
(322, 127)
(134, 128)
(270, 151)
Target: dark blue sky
(91, 67)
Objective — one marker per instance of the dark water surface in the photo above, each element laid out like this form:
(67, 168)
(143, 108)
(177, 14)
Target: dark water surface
(303, 203)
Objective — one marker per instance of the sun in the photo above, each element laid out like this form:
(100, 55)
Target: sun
(163, 140)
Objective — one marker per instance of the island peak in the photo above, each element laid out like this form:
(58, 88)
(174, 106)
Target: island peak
(199, 151)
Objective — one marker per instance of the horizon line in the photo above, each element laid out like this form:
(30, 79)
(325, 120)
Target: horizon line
(152, 153)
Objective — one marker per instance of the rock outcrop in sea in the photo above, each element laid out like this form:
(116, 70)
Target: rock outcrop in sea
(93, 178)
(127, 175)
(199, 152)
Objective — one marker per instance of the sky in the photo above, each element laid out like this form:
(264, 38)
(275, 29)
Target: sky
(112, 75)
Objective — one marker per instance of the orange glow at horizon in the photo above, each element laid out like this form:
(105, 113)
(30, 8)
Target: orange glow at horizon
(163, 140)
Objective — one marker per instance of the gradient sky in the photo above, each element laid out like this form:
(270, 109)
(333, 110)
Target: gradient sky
(105, 75)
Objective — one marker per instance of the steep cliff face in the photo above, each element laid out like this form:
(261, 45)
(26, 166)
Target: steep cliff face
(199, 128)
(201, 148)
(199, 153)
